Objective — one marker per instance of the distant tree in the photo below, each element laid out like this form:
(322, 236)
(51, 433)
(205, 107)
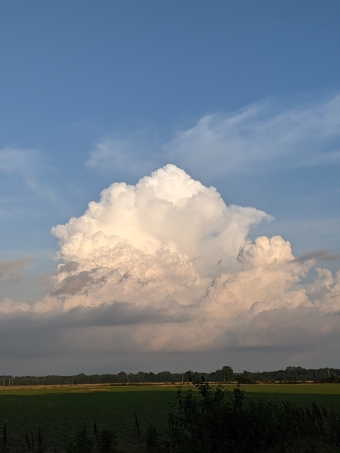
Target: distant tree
(227, 373)
(218, 375)
(334, 379)
(242, 379)
(164, 376)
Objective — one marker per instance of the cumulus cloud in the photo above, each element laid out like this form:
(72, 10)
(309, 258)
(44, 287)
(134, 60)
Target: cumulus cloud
(166, 266)
(162, 238)
(9, 306)
(172, 244)
(265, 281)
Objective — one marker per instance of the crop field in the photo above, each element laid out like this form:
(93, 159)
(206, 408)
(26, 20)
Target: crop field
(327, 395)
(62, 411)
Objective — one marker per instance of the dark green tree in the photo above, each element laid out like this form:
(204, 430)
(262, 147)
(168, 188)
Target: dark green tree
(228, 373)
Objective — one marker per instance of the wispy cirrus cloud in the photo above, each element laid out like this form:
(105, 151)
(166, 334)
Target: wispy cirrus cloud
(260, 135)
(25, 162)
(28, 165)
(133, 155)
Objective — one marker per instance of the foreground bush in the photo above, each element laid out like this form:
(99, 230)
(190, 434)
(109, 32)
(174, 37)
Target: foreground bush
(219, 421)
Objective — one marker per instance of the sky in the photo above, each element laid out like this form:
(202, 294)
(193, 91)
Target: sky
(169, 185)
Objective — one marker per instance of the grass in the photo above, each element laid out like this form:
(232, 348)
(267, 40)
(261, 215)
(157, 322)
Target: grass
(327, 395)
(61, 411)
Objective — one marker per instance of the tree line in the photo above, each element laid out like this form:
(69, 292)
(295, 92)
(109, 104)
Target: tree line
(225, 374)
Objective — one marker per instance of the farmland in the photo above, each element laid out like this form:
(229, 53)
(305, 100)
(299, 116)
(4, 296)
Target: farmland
(61, 411)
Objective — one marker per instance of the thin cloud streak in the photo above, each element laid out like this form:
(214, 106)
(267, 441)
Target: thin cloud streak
(134, 155)
(28, 164)
(242, 142)
(25, 162)
(319, 255)
(9, 268)
(254, 139)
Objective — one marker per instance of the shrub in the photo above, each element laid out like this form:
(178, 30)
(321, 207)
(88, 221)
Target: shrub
(219, 421)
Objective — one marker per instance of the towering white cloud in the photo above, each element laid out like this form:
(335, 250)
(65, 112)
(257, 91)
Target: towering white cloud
(165, 237)
(166, 266)
(266, 281)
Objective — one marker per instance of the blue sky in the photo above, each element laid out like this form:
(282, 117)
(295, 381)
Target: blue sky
(243, 96)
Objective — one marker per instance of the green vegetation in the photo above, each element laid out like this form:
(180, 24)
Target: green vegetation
(219, 421)
(61, 412)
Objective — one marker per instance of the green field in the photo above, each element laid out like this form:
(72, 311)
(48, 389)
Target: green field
(62, 411)
(327, 395)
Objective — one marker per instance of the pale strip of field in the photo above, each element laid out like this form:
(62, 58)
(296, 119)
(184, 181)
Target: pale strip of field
(312, 389)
